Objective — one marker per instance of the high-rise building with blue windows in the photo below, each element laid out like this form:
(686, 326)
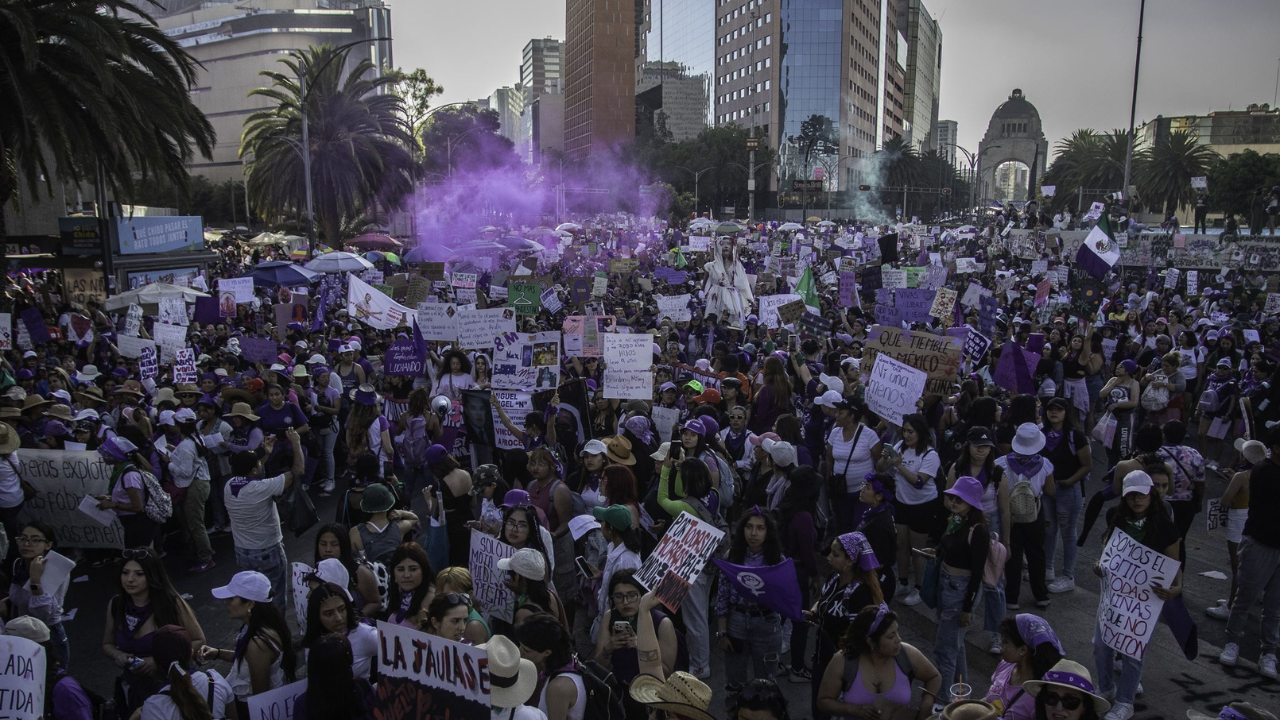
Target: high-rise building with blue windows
(675, 66)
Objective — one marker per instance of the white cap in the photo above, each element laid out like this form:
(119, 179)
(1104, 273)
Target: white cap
(333, 572)
(87, 415)
(1137, 482)
(527, 563)
(661, 453)
(828, 399)
(62, 395)
(250, 585)
(166, 417)
(832, 382)
(28, 354)
(184, 415)
(782, 452)
(277, 367)
(316, 359)
(345, 348)
(594, 447)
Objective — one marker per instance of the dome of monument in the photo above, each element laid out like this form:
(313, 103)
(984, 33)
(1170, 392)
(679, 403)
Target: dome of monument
(1016, 107)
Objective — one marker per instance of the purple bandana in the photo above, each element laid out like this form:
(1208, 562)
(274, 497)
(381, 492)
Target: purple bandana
(639, 425)
(1228, 713)
(858, 548)
(880, 614)
(1070, 679)
(1027, 466)
(1035, 631)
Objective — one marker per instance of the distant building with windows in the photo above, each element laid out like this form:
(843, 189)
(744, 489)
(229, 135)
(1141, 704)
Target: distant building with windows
(923, 73)
(1257, 128)
(945, 137)
(675, 66)
(599, 75)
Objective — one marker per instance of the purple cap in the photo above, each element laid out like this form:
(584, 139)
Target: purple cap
(667, 386)
(516, 497)
(436, 454)
(713, 427)
(696, 425)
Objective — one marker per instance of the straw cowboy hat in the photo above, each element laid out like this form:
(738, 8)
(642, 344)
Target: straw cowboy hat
(619, 450)
(682, 694)
(512, 679)
(61, 412)
(969, 710)
(8, 439)
(90, 393)
(242, 410)
(34, 402)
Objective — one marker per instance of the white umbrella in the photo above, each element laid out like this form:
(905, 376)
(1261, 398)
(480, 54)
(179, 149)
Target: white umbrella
(336, 262)
(150, 295)
(266, 238)
(826, 223)
(789, 226)
(568, 226)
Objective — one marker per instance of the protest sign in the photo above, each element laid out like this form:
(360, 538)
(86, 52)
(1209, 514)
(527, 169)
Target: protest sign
(769, 305)
(1042, 292)
(489, 589)
(789, 313)
(893, 389)
(525, 298)
(935, 278)
(131, 347)
(1200, 183)
(915, 275)
(1215, 515)
(418, 290)
(373, 307)
(403, 358)
(63, 479)
(1273, 304)
(888, 314)
(133, 320)
(241, 287)
(973, 295)
(464, 280)
(438, 321)
(675, 307)
(700, 243)
(148, 362)
(849, 289)
(937, 355)
(628, 352)
(478, 328)
(550, 300)
(913, 304)
(588, 329)
(1013, 371)
(968, 265)
(623, 266)
(300, 590)
(1193, 282)
(259, 350)
(600, 286)
(893, 278)
(184, 366)
(987, 308)
(513, 367)
(1039, 267)
(811, 325)
(516, 405)
(34, 323)
(872, 278)
(664, 421)
(1128, 608)
(22, 684)
(1171, 278)
(423, 675)
(6, 331)
(679, 558)
(432, 271)
(173, 311)
(976, 345)
(169, 338)
(277, 704)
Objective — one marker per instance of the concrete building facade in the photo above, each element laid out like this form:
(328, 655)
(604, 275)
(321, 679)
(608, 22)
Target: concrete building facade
(234, 42)
(945, 137)
(542, 82)
(599, 72)
(824, 80)
(542, 67)
(1257, 127)
(508, 102)
(923, 73)
(675, 66)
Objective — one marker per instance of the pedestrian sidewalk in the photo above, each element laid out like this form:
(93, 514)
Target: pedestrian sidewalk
(1171, 683)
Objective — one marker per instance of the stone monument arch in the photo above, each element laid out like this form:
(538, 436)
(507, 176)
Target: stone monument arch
(1014, 134)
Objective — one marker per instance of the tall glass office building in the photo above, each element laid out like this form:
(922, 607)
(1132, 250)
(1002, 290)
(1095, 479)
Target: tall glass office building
(674, 77)
(809, 92)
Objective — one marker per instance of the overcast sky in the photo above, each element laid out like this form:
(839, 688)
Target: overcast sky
(1073, 59)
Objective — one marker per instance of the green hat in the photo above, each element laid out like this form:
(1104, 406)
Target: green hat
(377, 498)
(616, 515)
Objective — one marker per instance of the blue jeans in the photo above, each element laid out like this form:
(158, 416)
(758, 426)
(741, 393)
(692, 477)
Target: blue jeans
(1130, 672)
(325, 469)
(1259, 574)
(695, 610)
(754, 638)
(1062, 515)
(271, 562)
(948, 646)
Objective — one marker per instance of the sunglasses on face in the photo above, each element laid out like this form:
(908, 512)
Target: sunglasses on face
(458, 599)
(136, 553)
(1069, 702)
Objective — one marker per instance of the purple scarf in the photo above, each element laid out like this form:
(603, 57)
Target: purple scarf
(1052, 438)
(1027, 466)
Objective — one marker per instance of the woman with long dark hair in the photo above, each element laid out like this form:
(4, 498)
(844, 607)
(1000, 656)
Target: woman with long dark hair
(748, 631)
(879, 528)
(852, 586)
(963, 554)
(329, 610)
(797, 514)
(1029, 649)
(549, 645)
(978, 460)
(27, 593)
(887, 666)
(455, 376)
(412, 578)
(914, 464)
(147, 601)
(446, 616)
(187, 695)
(616, 645)
(333, 690)
(1068, 449)
(333, 541)
(1142, 516)
(263, 657)
(454, 485)
(852, 451)
(773, 398)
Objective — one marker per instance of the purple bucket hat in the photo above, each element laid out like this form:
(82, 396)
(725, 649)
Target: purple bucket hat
(968, 489)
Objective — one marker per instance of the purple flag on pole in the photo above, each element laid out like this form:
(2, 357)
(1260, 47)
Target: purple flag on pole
(773, 586)
(317, 325)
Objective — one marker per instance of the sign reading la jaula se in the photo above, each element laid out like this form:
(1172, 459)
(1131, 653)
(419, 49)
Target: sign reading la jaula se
(145, 235)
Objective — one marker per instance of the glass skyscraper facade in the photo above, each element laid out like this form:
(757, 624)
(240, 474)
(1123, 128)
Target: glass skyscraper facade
(809, 92)
(678, 53)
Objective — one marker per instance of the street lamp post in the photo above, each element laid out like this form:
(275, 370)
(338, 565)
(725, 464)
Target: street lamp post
(973, 173)
(303, 94)
(696, 176)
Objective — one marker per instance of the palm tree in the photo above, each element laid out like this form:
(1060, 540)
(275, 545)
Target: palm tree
(361, 146)
(89, 86)
(1102, 166)
(1163, 171)
(900, 162)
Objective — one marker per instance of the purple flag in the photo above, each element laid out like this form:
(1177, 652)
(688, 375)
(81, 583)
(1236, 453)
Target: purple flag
(773, 586)
(1184, 628)
(206, 312)
(317, 324)
(1012, 373)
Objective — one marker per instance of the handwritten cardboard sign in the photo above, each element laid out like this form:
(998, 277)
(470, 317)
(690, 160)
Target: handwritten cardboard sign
(424, 675)
(489, 589)
(22, 683)
(679, 558)
(791, 312)
(1128, 608)
(944, 303)
(277, 704)
(893, 389)
(937, 355)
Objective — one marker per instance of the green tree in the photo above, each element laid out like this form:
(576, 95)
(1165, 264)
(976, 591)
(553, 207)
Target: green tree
(360, 143)
(89, 85)
(900, 162)
(1163, 171)
(416, 89)
(1234, 181)
(464, 138)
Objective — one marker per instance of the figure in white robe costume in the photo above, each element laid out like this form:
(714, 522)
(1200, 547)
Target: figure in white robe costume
(728, 289)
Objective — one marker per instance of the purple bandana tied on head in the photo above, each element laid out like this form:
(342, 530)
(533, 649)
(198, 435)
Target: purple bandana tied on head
(1230, 713)
(858, 548)
(1035, 631)
(639, 426)
(881, 612)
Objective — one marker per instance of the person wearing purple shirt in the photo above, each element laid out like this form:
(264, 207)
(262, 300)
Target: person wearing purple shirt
(275, 417)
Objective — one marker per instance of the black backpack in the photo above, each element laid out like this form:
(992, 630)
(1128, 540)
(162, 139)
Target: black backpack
(604, 692)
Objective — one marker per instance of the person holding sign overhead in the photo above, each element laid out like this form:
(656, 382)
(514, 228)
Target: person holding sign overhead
(1144, 518)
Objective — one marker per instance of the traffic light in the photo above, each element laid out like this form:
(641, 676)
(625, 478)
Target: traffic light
(864, 188)
(946, 191)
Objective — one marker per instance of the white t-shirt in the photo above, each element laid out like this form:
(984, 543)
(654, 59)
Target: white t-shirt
(1191, 358)
(926, 469)
(364, 648)
(856, 468)
(524, 712)
(161, 707)
(579, 709)
(255, 524)
(10, 484)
